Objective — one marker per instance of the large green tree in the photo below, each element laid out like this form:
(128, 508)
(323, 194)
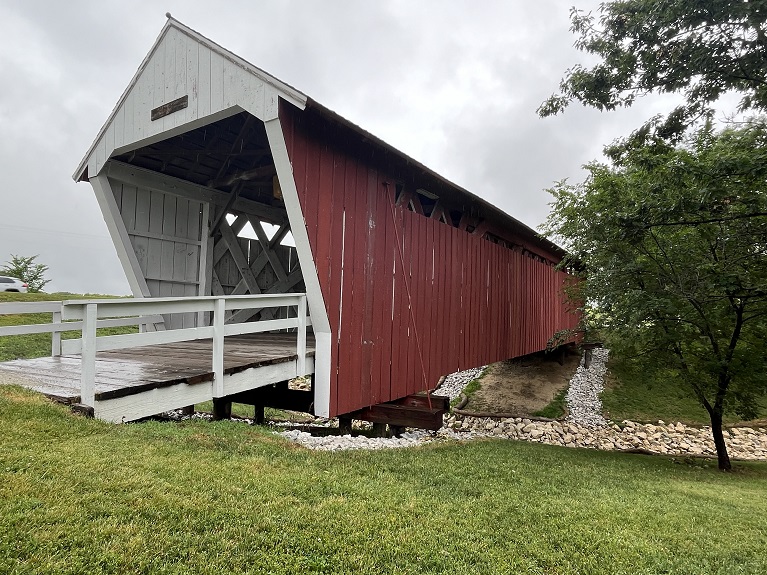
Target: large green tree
(699, 48)
(672, 231)
(672, 241)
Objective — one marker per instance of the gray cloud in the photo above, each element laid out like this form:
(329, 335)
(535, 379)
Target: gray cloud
(454, 84)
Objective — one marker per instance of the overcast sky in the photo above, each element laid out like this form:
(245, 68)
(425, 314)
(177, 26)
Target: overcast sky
(452, 83)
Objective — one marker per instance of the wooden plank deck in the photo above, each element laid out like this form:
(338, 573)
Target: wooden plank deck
(131, 371)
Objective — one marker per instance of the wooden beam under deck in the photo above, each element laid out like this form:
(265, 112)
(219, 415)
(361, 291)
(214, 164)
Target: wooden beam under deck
(415, 410)
(131, 382)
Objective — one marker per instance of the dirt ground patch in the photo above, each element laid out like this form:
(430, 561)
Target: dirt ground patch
(522, 386)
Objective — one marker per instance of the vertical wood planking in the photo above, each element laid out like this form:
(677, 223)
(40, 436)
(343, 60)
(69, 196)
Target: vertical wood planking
(359, 281)
(193, 78)
(346, 376)
(368, 379)
(216, 82)
(335, 261)
(401, 336)
(472, 301)
(203, 81)
(383, 301)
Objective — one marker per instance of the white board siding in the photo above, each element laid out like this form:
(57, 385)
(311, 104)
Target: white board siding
(165, 232)
(182, 63)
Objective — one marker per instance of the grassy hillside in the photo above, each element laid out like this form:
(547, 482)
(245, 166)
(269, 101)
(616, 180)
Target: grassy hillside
(638, 395)
(81, 496)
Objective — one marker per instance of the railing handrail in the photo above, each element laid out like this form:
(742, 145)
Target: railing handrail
(88, 315)
(23, 307)
(57, 326)
(89, 312)
(75, 309)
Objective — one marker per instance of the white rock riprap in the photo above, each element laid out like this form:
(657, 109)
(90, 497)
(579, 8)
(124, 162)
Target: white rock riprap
(454, 383)
(583, 403)
(662, 438)
(349, 442)
(585, 427)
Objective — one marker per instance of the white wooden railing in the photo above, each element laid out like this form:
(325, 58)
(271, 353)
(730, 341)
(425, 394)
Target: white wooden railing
(89, 312)
(89, 315)
(56, 327)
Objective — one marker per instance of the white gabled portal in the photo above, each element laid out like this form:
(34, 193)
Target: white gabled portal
(165, 185)
(184, 64)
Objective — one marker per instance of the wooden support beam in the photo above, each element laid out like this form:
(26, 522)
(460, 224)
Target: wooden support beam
(481, 228)
(222, 213)
(239, 258)
(281, 287)
(278, 396)
(258, 414)
(344, 425)
(280, 235)
(317, 308)
(423, 418)
(243, 176)
(437, 211)
(402, 199)
(264, 241)
(421, 411)
(215, 286)
(157, 181)
(222, 408)
(408, 197)
(237, 143)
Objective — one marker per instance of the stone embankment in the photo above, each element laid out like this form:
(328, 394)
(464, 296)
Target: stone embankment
(662, 438)
(584, 426)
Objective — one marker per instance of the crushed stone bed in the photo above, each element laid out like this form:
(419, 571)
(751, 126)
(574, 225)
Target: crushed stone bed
(583, 403)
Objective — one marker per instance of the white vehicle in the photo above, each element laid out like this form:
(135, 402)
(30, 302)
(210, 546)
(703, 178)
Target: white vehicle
(8, 283)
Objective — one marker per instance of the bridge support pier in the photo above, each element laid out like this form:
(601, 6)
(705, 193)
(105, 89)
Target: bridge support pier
(222, 409)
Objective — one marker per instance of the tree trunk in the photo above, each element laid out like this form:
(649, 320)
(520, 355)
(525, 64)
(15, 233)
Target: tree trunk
(721, 447)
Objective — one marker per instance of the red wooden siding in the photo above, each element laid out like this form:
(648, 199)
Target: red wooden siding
(409, 298)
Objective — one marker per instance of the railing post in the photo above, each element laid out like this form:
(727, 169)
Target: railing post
(88, 374)
(218, 347)
(301, 362)
(56, 335)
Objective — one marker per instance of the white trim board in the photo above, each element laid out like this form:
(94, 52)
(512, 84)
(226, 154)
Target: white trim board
(315, 299)
(158, 400)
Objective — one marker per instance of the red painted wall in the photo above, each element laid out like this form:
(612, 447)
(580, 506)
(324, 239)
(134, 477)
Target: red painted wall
(409, 298)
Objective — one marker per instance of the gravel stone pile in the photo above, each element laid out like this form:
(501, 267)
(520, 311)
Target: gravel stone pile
(454, 383)
(583, 403)
(344, 442)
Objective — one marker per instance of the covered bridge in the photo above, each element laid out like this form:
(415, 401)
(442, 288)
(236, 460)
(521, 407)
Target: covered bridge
(407, 276)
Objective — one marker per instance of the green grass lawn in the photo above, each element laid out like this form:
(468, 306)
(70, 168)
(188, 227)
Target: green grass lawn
(82, 496)
(39, 344)
(637, 395)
